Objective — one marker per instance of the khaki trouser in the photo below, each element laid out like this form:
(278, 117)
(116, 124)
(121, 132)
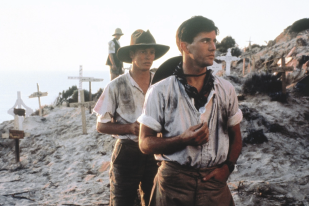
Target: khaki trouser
(130, 170)
(177, 185)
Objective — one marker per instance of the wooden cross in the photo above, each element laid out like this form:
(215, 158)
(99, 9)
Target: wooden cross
(85, 79)
(243, 64)
(215, 67)
(82, 105)
(80, 87)
(39, 94)
(282, 70)
(90, 79)
(19, 115)
(250, 57)
(228, 59)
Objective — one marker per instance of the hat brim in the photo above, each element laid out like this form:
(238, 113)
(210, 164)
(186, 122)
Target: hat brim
(123, 53)
(118, 34)
(166, 69)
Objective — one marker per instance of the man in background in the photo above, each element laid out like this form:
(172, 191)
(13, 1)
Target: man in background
(112, 60)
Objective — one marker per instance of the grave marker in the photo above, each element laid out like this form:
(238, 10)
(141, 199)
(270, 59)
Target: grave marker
(243, 64)
(82, 105)
(282, 70)
(215, 67)
(228, 59)
(38, 94)
(80, 86)
(19, 115)
(85, 79)
(90, 79)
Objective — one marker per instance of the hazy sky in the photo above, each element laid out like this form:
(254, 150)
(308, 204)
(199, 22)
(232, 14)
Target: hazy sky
(63, 34)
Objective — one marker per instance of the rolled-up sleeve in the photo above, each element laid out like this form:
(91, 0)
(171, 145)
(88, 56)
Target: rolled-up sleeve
(106, 105)
(235, 114)
(153, 110)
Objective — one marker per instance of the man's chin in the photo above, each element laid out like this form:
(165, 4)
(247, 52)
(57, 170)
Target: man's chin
(207, 64)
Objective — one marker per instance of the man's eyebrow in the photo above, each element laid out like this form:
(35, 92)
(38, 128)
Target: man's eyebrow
(208, 39)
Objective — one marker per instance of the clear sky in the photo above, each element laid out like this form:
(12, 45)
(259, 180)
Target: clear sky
(63, 34)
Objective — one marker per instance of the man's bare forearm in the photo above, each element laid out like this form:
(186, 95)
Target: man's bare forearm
(114, 128)
(157, 145)
(235, 143)
(149, 143)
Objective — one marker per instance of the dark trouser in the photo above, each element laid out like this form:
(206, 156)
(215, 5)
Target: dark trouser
(130, 170)
(176, 185)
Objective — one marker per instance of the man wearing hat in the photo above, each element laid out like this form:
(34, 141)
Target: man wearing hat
(112, 60)
(198, 116)
(117, 109)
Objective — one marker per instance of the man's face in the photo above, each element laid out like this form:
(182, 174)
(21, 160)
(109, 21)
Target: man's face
(142, 58)
(202, 49)
(117, 36)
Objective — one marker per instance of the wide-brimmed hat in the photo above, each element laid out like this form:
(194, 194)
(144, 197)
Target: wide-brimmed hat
(166, 69)
(118, 31)
(139, 39)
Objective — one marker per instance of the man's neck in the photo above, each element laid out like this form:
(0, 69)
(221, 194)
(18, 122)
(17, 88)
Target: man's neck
(192, 69)
(141, 77)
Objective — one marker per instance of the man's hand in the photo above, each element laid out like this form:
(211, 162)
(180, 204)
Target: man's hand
(134, 128)
(114, 67)
(220, 174)
(196, 135)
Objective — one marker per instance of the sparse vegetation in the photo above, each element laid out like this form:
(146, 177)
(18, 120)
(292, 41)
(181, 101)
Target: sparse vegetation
(227, 42)
(71, 95)
(265, 83)
(300, 25)
(236, 51)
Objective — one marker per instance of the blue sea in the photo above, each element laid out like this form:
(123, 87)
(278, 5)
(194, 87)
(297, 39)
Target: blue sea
(52, 82)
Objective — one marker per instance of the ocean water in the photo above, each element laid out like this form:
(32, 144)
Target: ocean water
(52, 82)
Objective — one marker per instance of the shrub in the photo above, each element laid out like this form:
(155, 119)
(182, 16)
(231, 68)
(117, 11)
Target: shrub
(255, 137)
(74, 97)
(69, 92)
(262, 83)
(236, 51)
(226, 43)
(300, 25)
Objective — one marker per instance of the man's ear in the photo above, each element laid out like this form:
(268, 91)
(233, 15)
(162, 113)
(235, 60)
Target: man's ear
(184, 47)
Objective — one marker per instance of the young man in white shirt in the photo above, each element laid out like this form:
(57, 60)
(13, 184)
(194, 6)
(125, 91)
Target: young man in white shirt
(118, 108)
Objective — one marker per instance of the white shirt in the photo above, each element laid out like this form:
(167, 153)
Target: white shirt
(169, 110)
(111, 46)
(122, 99)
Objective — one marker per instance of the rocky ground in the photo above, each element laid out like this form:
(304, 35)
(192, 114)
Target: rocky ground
(61, 166)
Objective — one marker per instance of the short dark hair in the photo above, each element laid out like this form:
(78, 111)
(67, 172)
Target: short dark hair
(192, 27)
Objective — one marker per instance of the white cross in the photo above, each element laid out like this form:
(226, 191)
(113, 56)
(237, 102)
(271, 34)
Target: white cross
(39, 94)
(228, 59)
(18, 120)
(90, 79)
(80, 77)
(18, 132)
(215, 67)
(84, 79)
(82, 105)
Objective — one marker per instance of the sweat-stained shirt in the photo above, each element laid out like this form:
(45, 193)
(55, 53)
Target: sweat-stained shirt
(122, 99)
(169, 110)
